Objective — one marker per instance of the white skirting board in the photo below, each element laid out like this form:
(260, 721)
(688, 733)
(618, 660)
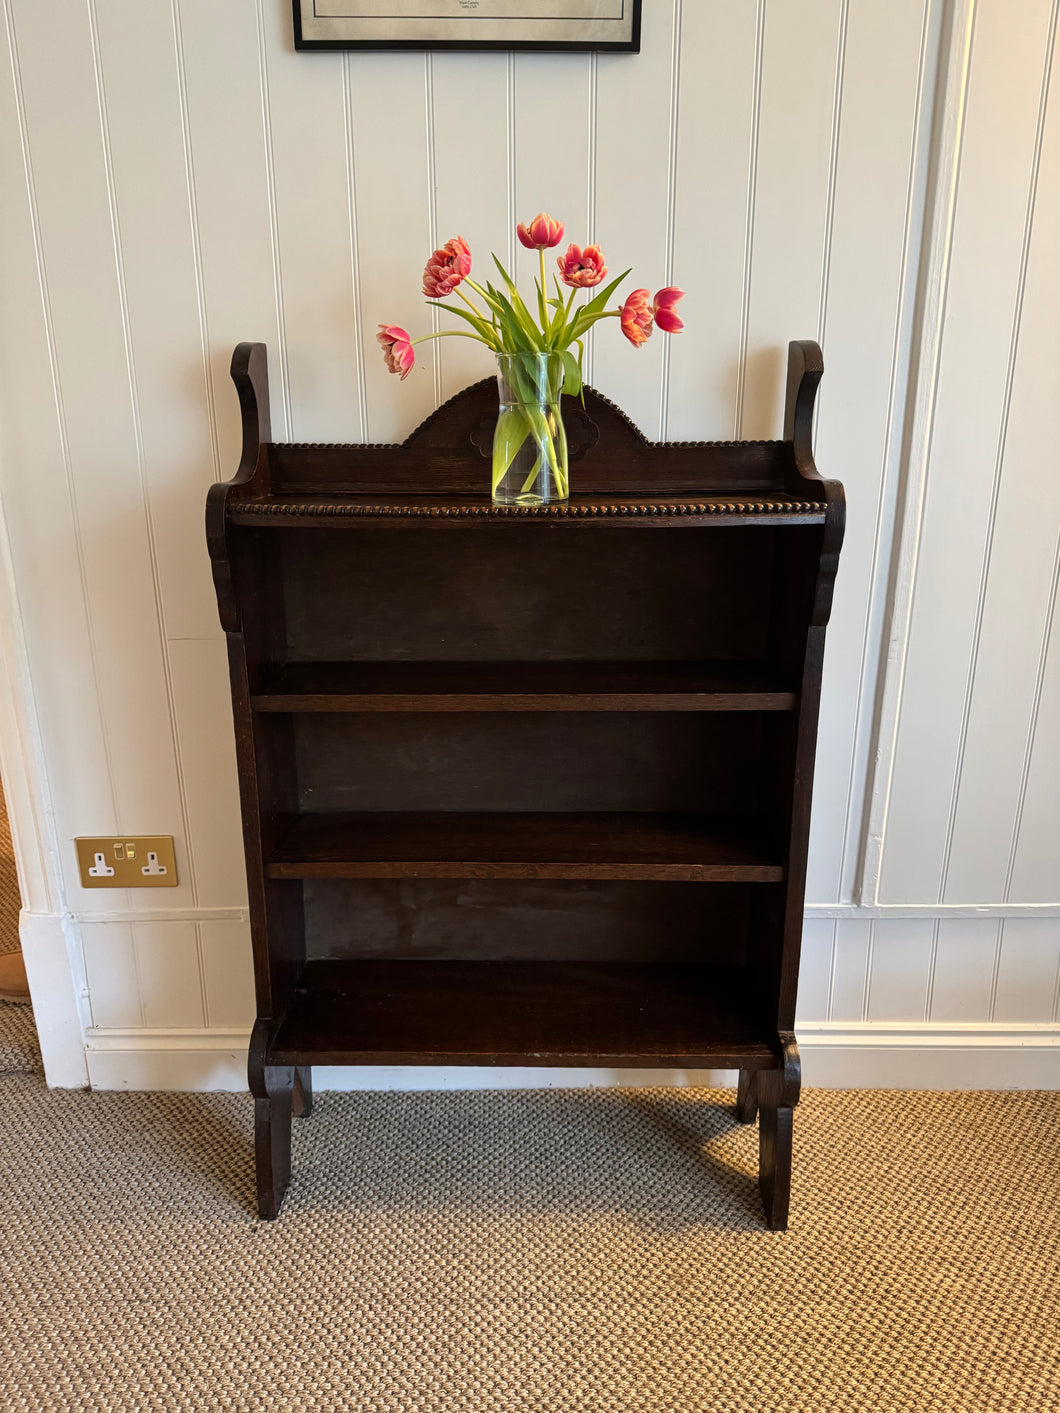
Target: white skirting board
(869, 1055)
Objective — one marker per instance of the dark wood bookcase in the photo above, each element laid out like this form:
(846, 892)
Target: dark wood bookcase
(526, 786)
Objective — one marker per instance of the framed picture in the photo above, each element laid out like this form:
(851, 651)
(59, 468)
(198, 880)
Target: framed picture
(467, 24)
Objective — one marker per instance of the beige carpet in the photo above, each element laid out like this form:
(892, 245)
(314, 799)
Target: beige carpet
(19, 1051)
(544, 1252)
(10, 903)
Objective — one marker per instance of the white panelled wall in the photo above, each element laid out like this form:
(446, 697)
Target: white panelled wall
(885, 178)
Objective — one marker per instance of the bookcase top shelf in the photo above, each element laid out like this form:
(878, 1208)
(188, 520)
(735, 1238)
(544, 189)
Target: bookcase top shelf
(439, 475)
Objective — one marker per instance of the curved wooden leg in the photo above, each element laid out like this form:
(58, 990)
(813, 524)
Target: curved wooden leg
(272, 1139)
(777, 1092)
(747, 1098)
(303, 1091)
(273, 1089)
(774, 1165)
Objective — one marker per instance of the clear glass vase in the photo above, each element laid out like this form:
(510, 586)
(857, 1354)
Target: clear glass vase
(529, 445)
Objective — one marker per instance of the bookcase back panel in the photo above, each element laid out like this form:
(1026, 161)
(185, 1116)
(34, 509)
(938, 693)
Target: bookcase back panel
(528, 920)
(527, 593)
(530, 761)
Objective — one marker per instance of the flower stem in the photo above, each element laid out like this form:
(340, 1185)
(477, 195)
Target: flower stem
(449, 334)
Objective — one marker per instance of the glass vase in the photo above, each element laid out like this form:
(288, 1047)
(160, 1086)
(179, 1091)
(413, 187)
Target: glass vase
(529, 445)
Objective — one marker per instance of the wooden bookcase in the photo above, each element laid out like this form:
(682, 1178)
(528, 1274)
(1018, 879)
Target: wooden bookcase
(525, 787)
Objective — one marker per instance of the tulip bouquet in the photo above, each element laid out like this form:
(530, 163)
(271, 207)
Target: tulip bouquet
(534, 345)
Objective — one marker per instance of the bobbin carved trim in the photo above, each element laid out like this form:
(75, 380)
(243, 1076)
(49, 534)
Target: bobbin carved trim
(339, 509)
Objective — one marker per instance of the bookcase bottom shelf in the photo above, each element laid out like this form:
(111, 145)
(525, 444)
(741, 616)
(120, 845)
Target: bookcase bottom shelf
(626, 1014)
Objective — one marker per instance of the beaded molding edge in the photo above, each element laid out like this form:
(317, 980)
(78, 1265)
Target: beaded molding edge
(343, 510)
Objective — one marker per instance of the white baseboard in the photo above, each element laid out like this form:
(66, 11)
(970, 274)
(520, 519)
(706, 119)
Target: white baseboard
(929, 1055)
(873, 1055)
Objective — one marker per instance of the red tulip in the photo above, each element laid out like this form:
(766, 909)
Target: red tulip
(665, 315)
(582, 269)
(541, 234)
(398, 353)
(446, 269)
(636, 317)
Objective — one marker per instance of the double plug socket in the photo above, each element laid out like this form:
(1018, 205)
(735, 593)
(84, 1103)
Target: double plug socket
(132, 861)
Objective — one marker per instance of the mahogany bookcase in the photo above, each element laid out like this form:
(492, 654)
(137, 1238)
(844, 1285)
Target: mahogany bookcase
(525, 786)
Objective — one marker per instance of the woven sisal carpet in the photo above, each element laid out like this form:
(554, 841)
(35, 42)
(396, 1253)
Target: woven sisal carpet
(541, 1252)
(10, 902)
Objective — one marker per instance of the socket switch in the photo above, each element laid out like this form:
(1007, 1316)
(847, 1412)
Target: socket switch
(131, 861)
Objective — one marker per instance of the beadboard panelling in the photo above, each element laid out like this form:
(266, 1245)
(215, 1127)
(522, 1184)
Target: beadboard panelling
(719, 58)
(968, 475)
(220, 72)
(1027, 991)
(791, 212)
(110, 970)
(470, 127)
(888, 65)
(88, 328)
(310, 199)
(1018, 595)
(145, 137)
(228, 973)
(900, 959)
(1012, 760)
(815, 971)
(204, 727)
(964, 970)
(1036, 847)
(554, 93)
(633, 161)
(553, 123)
(169, 974)
(389, 118)
(850, 969)
(37, 496)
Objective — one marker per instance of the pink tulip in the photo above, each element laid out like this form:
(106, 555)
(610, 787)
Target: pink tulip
(541, 234)
(665, 315)
(446, 269)
(582, 269)
(398, 353)
(636, 317)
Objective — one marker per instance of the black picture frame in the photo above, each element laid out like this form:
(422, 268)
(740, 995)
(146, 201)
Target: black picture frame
(631, 10)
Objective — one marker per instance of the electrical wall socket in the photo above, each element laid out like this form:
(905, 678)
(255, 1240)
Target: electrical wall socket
(131, 861)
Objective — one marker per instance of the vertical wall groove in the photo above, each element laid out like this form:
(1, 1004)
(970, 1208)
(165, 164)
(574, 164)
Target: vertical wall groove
(878, 580)
(833, 169)
(196, 237)
(1036, 703)
(274, 222)
(929, 995)
(752, 185)
(355, 269)
(594, 86)
(671, 209)
(512, 216)
(999, 457)
(432, 214)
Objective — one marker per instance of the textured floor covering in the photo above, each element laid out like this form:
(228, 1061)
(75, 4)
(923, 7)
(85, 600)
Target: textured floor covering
(10, 903)
(19, 1051)
(598, 1251)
